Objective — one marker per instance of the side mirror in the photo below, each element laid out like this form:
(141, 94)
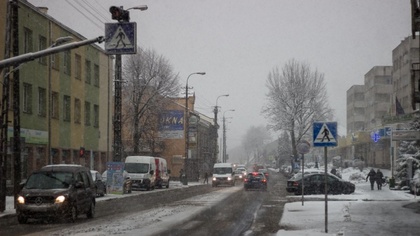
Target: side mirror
(128, 177)
(152, 172)
(169, 171)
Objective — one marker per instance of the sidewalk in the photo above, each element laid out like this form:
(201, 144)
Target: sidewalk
(365, 212)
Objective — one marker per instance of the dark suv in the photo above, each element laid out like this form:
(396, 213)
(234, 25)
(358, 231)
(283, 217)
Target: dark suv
(57, 191)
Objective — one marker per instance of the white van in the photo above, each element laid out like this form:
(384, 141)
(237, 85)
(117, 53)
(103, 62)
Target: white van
(142, 171)
(223, 174)
(162, 173)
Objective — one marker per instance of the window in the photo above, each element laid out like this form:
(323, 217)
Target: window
(55, 61)
(27, 98)
(77, 112)
(27, 40)
(87, 113)
(88, 72)
(78, 63)
(66, 108)
(42, 102)
(42, 44)
(67, 62)
(96, 75)
(96, 115)
(55, 105)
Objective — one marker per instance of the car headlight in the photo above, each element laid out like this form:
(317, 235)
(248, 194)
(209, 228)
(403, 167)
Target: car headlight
(214, 178)
(21, 200)
(60, 199)
(229, 178)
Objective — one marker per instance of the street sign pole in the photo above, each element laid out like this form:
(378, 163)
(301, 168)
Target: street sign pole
(325, 135)
(303, 147)
(326, 189)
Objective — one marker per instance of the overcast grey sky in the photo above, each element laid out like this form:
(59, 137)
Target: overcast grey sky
(238, 42)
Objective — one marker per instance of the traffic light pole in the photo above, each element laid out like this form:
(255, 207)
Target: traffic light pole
(117, 110)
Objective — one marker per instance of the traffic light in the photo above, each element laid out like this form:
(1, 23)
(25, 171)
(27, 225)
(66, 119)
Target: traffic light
(82, 152)
(119, 14)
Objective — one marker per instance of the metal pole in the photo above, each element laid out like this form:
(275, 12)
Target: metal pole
(186, 121)
(117, 109)
(16, 108)
(326, 189)
(303, 175)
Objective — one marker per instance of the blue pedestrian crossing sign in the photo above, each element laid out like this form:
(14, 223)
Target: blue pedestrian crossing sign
(324, 134)
(120, 38)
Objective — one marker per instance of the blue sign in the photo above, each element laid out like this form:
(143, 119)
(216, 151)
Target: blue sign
(120, 38)
(324, 134)
(171, 124)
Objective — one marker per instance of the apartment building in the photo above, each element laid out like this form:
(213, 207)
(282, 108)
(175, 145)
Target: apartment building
(65, 98)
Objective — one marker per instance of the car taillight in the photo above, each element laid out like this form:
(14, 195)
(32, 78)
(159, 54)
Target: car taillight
(295, 183)
(245, 180)
(264, 180)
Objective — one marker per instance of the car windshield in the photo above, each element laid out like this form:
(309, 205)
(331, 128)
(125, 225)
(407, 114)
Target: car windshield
(222, 170)
(136, 168)
(49, 180)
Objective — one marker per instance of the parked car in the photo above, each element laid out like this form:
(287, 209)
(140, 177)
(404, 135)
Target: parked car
(127, 187)
(100, 185)
(255, 180)
(57, 191)
(315, 184)
(415, 183)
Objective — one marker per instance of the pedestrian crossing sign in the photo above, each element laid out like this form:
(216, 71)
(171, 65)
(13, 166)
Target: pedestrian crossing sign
(120, 38)
(324, 134)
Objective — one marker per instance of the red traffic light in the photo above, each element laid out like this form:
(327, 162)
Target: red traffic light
(82, 152)
(119, 14)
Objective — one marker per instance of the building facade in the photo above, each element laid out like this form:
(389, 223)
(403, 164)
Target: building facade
(65, 98)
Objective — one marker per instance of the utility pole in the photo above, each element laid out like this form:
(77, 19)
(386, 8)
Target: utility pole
(123, 17)
(16, 101)
(4, 115)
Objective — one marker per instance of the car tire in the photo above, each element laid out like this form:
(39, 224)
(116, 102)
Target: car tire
(91, 212)
(167, 186)
(22, 219)
(72, 214)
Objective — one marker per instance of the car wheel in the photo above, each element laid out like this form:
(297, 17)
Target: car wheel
(72, 216)
(22, 219)
(418, 191)
(167, 186)
(91, 212)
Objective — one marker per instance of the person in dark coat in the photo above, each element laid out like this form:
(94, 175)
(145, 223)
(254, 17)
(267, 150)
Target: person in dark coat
(372, 178)
(206, 178)
(334, 171)
(378, 178)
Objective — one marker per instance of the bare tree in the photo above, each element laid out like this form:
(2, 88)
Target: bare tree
(297, 97)
(254, 140)
(284, 148)
(148, 82)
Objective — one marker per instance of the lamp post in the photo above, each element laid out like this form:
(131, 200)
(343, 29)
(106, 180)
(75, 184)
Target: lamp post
(121, 15)
(216, 109)
(224, 136)
(186, 120)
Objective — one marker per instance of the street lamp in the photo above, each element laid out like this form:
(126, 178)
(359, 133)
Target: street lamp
(186, 120)
(224, 135)
(216, 109)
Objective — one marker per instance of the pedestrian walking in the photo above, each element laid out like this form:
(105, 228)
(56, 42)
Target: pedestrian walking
(206, 178)
(372, 178)
(378, 178)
